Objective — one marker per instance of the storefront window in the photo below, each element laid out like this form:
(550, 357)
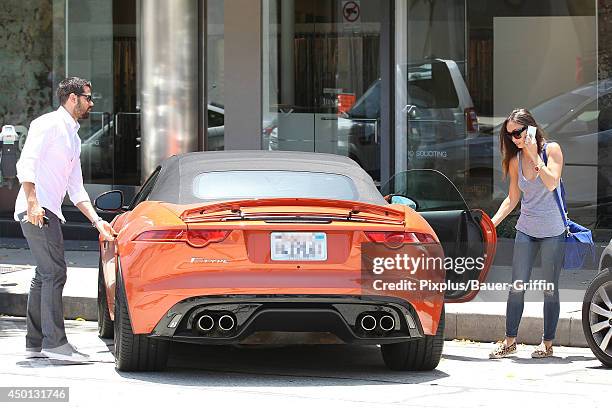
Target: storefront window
(32, 52)
(215, 88)
(462, 66)
(321, 78)
(45, 41)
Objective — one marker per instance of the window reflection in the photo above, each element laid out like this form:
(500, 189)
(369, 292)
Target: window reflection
(500, 55)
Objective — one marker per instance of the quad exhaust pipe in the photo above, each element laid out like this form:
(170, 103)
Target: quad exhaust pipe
(383, 323)
(386, 323)
(206, 323)
(226, 322)
(368, 322)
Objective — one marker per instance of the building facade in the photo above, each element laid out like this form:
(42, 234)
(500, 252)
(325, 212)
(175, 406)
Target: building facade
(393, 84)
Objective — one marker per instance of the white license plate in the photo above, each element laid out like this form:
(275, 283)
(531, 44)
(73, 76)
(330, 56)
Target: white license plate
(298, 246)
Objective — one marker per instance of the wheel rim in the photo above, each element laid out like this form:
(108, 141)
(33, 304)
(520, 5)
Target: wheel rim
(600, 317)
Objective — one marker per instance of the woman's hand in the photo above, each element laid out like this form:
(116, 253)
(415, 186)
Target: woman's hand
(531, 151)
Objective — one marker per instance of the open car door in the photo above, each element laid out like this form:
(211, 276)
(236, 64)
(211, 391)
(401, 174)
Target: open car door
(463, 233)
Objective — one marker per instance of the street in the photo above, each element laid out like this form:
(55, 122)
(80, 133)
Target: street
(335, 376)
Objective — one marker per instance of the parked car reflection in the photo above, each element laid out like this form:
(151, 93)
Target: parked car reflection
(582, 125)
(439, 109)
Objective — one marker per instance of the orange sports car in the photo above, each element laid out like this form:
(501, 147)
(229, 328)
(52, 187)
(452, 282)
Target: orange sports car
(285, 247)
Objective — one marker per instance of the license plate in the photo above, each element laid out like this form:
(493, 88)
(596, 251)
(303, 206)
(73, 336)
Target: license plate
(298, 246)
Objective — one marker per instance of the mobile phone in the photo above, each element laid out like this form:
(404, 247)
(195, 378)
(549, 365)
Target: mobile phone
(45, 221)
(531, 134)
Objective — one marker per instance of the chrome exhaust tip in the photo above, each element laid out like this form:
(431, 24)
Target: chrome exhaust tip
(227, 322)
(205, 323)
(368, 322)
(387, 323)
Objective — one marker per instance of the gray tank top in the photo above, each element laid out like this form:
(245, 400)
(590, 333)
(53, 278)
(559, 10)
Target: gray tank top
(540, 215)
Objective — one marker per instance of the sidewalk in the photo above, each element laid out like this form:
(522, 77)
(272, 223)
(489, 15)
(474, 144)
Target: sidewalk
(482, 319)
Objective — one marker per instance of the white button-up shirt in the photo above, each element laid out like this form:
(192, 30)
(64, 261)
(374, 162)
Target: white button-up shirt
(51, 160)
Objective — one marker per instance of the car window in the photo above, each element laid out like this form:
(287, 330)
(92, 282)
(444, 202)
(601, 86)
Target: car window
(247, 184)
(368, 106)
(417, 185)
(215, 119)
(145, 190)
(583, 123)
(430, 85)
(554, 109)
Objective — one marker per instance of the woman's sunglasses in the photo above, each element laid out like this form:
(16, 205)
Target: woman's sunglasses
(516, 134)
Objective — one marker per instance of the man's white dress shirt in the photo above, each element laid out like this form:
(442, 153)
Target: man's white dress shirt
(51, 160)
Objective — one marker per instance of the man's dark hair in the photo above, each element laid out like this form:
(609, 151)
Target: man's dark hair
(70, 85)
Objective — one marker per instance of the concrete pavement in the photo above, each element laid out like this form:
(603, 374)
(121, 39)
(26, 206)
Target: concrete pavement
(482, 319)
(332, 375)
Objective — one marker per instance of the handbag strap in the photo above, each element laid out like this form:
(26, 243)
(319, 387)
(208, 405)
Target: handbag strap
(559, 198)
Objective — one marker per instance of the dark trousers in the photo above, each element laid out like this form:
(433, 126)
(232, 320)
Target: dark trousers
(45, 313)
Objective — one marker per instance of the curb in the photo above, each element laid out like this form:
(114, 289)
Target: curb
(461, 326)
(15, 304)
(491, 328)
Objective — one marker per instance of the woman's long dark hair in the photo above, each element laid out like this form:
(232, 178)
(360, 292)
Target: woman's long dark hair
(508, 148)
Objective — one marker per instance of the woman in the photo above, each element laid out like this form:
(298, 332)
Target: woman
(540, 226)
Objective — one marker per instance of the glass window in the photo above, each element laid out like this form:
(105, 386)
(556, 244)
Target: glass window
(272, 184)
(463, 66)
(146, 189)
(43, 43)
(215, 74)
(430, 85)
(556, 108)
(215, 119)
(321, 77)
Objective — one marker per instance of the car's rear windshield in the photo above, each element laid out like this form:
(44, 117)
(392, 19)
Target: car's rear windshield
(247, 184)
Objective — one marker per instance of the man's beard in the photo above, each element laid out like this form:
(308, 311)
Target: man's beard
(82, 111)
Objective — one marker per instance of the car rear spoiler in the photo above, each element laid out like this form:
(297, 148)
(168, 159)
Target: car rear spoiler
(288, 209)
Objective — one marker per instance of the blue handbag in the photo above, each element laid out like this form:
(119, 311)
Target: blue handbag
(578, 239)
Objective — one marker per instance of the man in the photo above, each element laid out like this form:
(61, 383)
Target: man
(49, 167)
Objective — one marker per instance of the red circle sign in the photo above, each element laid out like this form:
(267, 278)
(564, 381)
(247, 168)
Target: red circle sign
(351, 11)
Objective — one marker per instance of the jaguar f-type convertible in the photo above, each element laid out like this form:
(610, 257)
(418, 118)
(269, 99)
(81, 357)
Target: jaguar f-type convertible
(259, 247)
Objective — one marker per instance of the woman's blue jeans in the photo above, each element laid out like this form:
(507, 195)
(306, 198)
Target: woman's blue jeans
(526, 249)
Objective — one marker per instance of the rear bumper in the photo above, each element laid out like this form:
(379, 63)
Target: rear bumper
(259, 316)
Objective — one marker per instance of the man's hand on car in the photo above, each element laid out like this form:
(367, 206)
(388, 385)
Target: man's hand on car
(106, 230)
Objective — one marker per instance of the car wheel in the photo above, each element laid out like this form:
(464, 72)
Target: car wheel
(416, 355)
(105, 324)
(135, 352)
(597, 316)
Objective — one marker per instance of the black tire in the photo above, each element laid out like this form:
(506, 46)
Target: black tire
(416, 355)
(135, 352)
(105, 324)
(588, 319)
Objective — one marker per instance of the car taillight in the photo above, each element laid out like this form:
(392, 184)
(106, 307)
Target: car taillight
(163, 236)
(395, 238)
(195, 238)
(471, 120)
(200, 238)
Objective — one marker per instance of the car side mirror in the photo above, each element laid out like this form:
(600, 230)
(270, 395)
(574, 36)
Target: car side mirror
(398, 199)
(110, 201)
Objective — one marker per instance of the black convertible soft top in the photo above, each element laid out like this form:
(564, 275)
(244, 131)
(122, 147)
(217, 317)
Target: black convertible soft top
(175, 180)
